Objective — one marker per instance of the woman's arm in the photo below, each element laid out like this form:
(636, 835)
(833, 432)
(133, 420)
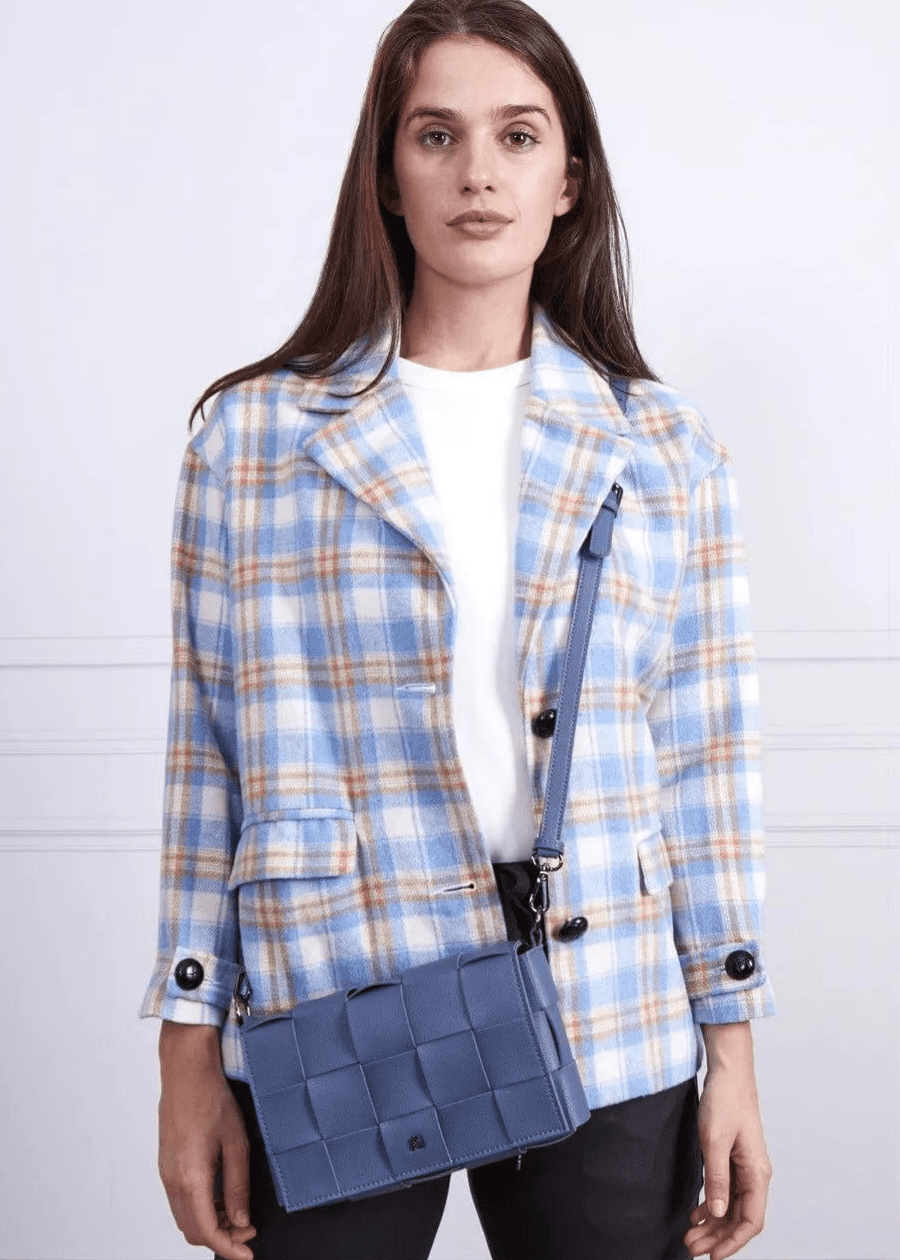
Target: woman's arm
(729, 1047)
(737, 1170)
(704, 720)
(202, 807)
(200, 1125)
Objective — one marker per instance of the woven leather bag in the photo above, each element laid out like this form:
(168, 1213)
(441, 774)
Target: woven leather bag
(457, 1062)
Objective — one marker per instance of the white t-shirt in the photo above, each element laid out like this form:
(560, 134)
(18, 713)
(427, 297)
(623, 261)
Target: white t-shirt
(471, 427)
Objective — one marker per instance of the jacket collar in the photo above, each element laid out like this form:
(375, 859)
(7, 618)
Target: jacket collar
(560, 377)
(575, 442)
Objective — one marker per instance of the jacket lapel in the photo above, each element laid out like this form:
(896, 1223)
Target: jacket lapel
(574, 445)
(375, 451)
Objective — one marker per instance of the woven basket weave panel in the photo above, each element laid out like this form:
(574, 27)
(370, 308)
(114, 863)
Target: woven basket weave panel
(434, 1002)
(322, 1035)
(289, 1120)
(351, 1102)
(397, 1085)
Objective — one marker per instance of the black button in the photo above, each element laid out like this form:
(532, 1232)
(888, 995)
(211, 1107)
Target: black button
(740, 964)
(573, 928)
(544, 723)
(189, 974)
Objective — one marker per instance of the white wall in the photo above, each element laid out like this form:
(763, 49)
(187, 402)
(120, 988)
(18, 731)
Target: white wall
(170, 175)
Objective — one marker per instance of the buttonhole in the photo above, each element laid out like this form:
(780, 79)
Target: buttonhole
(428, 688)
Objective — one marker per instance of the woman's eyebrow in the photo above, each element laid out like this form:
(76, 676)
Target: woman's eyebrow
(453, 115)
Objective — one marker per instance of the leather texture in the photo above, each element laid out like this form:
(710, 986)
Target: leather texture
(457, 1062)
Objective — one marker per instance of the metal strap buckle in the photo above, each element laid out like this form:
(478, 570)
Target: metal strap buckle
(539, 899)
(241, 997)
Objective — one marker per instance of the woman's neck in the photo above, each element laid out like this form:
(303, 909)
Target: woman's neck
(467, 331)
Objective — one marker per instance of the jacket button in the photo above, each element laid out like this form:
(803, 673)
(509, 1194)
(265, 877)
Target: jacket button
(740, 964)
(188, 974)
(573, 928)
(544, 723)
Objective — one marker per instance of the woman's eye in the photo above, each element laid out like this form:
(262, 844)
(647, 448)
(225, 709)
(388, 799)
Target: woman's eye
(427, 139)
(437, 139)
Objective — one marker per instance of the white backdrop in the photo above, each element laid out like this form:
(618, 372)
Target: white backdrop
(170, 174)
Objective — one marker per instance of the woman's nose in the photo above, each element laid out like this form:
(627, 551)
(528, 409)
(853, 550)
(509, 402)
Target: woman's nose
(477, 172)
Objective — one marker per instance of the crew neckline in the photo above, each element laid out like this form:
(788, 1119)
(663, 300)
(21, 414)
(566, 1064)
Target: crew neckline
(421, 376)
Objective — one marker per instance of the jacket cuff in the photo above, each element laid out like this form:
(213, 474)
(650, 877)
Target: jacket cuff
(734, 1008)
(728, 983)
(190, 976)
(181, 1011)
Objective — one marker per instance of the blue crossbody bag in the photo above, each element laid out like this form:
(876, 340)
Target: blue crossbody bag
(458, 1062)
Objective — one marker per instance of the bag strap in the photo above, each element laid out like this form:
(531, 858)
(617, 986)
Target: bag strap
(548, 847)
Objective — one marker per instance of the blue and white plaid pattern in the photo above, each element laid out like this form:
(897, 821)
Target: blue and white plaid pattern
(314, 792)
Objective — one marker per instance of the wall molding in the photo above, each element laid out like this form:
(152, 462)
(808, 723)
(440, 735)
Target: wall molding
(781, 826)
(134, 651)
(144, 834)
(151, 741)
(831, 737)
(109, 742)
(80, 835)
(86, 651)
(827, 645)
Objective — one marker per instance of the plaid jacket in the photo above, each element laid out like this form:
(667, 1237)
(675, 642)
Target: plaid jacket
(314, 797)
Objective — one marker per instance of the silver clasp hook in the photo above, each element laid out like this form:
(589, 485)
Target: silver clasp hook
(539, 899)
(241, 997)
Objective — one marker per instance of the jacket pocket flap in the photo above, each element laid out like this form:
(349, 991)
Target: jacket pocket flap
(308, 847)
(656, 869)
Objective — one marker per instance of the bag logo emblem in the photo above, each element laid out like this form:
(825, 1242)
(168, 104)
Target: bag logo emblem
(416, 1142)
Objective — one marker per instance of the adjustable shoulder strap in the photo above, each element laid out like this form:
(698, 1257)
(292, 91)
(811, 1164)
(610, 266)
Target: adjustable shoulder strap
(619, 386)
(548, 847)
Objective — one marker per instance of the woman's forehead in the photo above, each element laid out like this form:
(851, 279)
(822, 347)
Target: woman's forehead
(475, 77)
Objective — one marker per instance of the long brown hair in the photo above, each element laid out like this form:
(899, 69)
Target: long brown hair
(581, 278)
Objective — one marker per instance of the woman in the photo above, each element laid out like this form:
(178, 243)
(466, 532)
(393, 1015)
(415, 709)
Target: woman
(374, 563)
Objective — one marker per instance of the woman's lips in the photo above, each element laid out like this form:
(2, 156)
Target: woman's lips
(479, 227)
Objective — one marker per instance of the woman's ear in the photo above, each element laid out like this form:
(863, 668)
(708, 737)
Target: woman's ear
(389, 194)
(571, 187)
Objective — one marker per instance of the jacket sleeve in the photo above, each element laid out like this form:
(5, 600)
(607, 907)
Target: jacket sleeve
(202, 800)
(704, 721)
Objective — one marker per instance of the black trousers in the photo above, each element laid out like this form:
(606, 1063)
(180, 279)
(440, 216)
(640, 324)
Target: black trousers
(621, 1187)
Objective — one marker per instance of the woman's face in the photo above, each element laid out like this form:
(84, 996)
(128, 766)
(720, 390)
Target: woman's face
(478, 131)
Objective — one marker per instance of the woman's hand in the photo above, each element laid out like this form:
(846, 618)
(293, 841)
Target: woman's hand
(736, 1163)
(200, 1125)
